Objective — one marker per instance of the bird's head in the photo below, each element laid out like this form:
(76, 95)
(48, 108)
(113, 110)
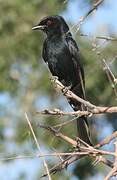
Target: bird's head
(52, 25)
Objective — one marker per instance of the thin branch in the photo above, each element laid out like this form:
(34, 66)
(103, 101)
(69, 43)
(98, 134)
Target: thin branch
(72, 159)
(95, 6)
(38, 146)
(60, 166)
(106, 161)
(114, 169)
(80, 152)
(55, 155)
(17, 157)
(65, 123)
(92, 108)
(97, 110)
(58, 112)
(60, 135)
(70, 94)
(82, 19)
(110, 76)
(107, 140)
(107, 38)
(85, 148)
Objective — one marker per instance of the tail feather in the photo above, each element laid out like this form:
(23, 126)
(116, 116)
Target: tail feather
(82, 123)
(83, 130)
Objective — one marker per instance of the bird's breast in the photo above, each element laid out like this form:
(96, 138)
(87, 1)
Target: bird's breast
(60, 60)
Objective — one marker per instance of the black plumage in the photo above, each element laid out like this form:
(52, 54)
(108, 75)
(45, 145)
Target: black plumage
(61, 53)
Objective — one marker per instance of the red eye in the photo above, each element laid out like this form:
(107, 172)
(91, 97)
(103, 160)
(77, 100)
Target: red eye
(49, 23)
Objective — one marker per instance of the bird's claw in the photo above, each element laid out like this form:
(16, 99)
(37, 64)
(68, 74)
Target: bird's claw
(54, 78)
(66, 89)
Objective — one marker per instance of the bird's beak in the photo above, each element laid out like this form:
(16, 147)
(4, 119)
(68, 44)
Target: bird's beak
(39, 27)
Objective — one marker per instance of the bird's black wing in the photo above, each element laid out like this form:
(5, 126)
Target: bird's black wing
(78, 89)
(44, 53)
(75, 54)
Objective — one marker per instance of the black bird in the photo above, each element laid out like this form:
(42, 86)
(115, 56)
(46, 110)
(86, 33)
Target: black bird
(62, 56)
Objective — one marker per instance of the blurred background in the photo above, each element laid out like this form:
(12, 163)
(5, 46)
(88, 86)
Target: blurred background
(25, 84)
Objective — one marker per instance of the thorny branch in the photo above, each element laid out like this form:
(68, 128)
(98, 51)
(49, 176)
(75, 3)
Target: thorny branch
(81, 150)
(79, 113)
(86, 148)
(92, 109)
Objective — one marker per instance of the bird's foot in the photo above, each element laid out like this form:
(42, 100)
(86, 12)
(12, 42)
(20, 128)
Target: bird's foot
(54, 78)
(66, 89)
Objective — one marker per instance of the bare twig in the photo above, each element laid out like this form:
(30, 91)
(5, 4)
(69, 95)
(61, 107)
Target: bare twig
(72, 159)
(81, 152)
(60, 166)
(38, 146)
(107, 140)
(18, 157)
(71, 95)
(60, 135)
(65, 123)
(90, 152)
(114, 169)
(107, 38)
(95, 6)
(91, 107)
(85, 148)
(110, 76)
(82, 19)
(106, 162)
(97, 110)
